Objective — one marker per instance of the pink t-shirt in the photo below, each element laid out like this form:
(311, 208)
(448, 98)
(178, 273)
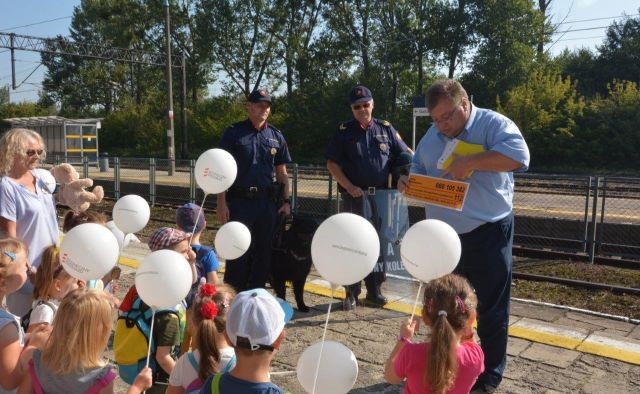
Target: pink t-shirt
(411, 363)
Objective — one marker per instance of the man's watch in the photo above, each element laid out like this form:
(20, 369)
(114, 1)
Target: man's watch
(286, 200)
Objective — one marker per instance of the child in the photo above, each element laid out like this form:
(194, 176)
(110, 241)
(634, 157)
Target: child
(51, 285)
(206, 261)
(73, 219)
(72, 358)
(452, 360)
(168, 327)
(255, 328)
(13, 352)
(213, 353)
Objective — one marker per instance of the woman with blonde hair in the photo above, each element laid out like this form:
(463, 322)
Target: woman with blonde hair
(73, 356)
(27, 205)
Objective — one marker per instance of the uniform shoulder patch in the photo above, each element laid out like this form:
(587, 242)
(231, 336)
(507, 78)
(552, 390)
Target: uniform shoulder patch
(386, 123)
(274, 129)
(343, 127)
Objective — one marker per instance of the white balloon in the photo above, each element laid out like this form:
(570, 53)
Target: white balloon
(215, 171)
(47, 178)
(163, 278)
(345, 248)
(89, 251)
(430, 249)
(338, 368)
(232, 240)
(131, 213)
(123, 240)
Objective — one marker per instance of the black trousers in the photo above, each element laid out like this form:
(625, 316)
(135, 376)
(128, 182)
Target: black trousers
(366, 207)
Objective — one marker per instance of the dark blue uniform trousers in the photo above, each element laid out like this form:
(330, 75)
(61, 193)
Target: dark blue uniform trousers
(486, 262)
(366, 207)
(252, 269)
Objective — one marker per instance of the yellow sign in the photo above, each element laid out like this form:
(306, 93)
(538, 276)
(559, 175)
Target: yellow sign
(437, 191)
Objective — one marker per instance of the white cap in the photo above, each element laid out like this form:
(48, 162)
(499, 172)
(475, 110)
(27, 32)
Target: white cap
(255, 315)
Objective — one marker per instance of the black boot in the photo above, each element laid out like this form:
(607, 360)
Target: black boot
(374, 298)
(351, 297)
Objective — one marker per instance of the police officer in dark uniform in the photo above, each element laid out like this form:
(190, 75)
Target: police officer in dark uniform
(254, 199)
(359, 157)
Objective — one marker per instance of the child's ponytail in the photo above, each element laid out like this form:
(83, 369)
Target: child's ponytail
(205, 311)
(210, 309)
(449, 302)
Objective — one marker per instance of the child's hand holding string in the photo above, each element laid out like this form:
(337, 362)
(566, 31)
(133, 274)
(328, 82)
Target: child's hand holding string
(409, 327)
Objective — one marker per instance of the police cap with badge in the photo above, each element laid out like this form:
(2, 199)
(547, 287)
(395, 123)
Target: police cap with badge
(259, 95)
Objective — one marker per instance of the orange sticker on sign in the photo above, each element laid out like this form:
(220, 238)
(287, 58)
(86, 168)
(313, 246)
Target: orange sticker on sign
(437, 191)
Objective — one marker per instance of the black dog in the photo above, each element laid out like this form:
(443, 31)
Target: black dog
(291, 258)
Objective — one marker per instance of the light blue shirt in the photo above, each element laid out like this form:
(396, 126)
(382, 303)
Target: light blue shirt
(490, 194)
(34, 215)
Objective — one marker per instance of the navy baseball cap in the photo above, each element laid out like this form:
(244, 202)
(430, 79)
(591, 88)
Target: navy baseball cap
(259, 95)
(360, 94)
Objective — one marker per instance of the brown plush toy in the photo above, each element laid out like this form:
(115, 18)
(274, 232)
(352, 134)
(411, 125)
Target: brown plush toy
(72, 192)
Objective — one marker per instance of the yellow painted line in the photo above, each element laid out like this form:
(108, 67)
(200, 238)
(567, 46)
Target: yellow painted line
(133, 263)
(548, 338)
(626, 351)
(76, 150)
(86, 137)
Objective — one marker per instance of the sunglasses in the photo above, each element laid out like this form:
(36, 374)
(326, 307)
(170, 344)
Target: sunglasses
(32, 152)
(356, 107)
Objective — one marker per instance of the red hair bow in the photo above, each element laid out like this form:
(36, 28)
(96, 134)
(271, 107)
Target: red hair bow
(209, 310)
(207, 290)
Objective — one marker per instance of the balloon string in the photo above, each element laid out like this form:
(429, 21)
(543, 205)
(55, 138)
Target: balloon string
(153, 315)
(415, 303)
(153, 318)
(324, 334)
(198, 218)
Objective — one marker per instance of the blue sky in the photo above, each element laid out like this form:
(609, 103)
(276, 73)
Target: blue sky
(585, 21)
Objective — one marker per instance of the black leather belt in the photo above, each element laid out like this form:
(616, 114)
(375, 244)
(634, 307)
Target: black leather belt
(252, 192)
(371, 190)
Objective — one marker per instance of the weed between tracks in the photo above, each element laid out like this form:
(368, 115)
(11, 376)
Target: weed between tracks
(596, 300)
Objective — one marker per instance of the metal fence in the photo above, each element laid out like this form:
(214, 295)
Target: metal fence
(590, 215)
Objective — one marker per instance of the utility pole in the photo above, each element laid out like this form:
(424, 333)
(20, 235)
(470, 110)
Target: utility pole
(170, 132)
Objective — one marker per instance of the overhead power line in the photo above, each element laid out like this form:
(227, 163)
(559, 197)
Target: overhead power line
(598, 19)
(585, 29)
(36, 23)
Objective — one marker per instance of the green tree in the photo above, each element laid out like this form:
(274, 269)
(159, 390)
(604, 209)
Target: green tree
(608, 132)
(241, 38)
(546, 109)
(507, 37)
(4, 95)
(620, 52)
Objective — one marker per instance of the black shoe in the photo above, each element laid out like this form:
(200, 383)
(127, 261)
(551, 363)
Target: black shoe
(376, 300)
(482, 388)
(349, 303)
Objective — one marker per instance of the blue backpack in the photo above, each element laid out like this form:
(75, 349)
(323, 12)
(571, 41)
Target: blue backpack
(131, 340)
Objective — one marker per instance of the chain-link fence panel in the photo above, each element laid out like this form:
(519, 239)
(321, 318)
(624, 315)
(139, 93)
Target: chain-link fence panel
(172, 189)
(552, 211)
(133, 177)
(316, 191)
(618, 231)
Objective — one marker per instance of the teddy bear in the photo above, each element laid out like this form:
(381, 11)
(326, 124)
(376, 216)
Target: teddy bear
(72, 192)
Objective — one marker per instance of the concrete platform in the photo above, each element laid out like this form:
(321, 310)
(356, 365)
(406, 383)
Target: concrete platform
(551, 349)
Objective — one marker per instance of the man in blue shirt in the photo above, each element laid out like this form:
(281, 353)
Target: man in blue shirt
(360, 157)
(485, 224)
(261, 154)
